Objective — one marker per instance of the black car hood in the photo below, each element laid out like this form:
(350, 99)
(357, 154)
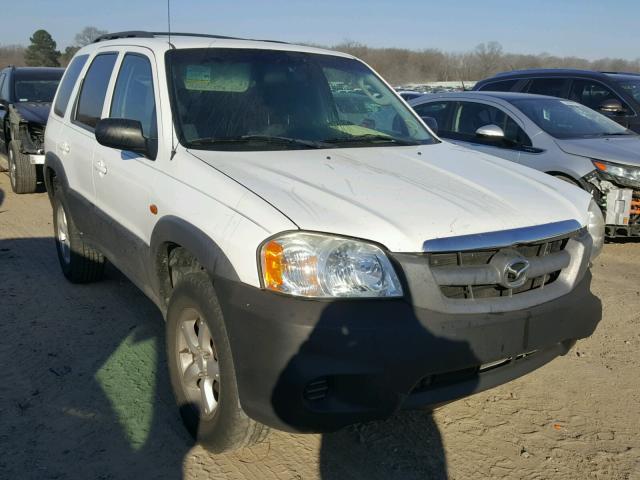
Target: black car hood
(33, 112)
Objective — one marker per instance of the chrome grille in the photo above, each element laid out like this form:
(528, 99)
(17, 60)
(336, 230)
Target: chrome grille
(448, 261)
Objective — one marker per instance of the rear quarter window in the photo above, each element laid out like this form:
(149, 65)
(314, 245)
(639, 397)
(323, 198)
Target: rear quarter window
(554, 87)
(68, 82)
(502, 86)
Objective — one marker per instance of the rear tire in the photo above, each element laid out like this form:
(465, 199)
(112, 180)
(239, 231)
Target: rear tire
(80, 263)
(204, 383)
(23, 175)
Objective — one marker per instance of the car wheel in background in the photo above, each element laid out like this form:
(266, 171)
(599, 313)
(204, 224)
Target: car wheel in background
(80, 263)
(202, 370)
(23, 175)
(567, 179)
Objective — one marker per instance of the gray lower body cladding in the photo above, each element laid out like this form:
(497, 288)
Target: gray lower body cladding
(314, 366)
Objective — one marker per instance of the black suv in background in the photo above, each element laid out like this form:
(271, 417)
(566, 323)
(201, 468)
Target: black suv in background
(25, 99)
(614, 94)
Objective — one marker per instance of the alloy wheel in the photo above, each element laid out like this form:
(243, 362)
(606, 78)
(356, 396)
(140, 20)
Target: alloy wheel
(12, 168)
(198, 362)
(62, 234)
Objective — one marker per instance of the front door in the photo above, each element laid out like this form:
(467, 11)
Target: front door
(123, 179)
(469, 116)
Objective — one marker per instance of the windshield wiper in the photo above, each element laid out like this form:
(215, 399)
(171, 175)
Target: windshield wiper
(258, 138)
(370, 137)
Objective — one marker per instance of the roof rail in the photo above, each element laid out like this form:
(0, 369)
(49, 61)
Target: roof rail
(621, 73)
(128, 34)
(144, 34)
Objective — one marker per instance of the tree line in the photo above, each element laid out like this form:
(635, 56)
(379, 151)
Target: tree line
(403, 66)
(43, 52)
(397, 65)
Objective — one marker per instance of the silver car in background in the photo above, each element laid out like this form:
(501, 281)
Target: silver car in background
(557, 136)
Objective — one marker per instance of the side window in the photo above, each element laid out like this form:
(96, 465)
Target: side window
(470, 116)
(4, 91)
(133, 96)
(547, 86)
(2, 77)
(591, 93)
(439, 111)
(94, 89)
(68, 82)
(503, 86)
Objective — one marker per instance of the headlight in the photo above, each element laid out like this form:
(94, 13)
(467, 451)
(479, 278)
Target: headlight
(316, 265)
(622, 174)
(596, 229)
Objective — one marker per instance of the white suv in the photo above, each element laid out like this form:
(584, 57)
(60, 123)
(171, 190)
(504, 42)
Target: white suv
(320, 256)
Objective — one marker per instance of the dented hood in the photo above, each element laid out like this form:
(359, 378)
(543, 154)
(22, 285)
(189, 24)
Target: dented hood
(33, 112)
(402, 196)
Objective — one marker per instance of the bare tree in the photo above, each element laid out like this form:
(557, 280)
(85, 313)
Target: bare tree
(87, 36)
(12, 55)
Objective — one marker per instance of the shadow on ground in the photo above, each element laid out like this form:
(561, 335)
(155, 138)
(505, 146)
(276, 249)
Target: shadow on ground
(85, 385)
(408, 446)
(86, 392)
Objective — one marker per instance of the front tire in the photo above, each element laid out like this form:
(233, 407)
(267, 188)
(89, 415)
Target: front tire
(23, 175)
(80, 263)
(202, 370)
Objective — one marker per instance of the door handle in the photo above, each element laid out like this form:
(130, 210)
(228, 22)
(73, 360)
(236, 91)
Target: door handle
(100, 167)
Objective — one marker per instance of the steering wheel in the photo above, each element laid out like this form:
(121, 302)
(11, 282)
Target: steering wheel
(381, 100)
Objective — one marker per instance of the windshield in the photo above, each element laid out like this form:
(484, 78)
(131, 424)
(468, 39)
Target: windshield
(237, 99)
(632, 87)
(36, 86)
(567, 119)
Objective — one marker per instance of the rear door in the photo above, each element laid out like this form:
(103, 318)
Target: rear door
(440, 111)
(62, 105)
(124, 179)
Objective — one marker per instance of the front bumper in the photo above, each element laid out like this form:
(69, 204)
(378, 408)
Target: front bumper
(314, 366)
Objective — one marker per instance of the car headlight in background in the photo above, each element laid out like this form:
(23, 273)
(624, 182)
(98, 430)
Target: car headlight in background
(596, 228)
(317, 265)
(622, 174)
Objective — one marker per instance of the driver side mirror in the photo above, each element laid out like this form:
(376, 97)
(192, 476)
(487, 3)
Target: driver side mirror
(124, 134)
(612, 106)
(432, 123)
(490, 132)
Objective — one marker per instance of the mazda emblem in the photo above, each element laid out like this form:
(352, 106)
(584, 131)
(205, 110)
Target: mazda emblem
(515, 273)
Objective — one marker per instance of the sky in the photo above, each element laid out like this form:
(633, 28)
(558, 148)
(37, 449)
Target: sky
(585, 28)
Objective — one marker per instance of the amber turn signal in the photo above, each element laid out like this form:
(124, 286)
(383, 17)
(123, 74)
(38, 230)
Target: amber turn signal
(272, 265)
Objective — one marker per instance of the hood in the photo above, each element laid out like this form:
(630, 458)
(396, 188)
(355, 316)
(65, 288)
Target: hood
(624, 150)
(33, 112)
(402, 196)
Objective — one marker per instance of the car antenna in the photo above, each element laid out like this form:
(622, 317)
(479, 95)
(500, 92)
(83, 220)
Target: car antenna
(173, 147)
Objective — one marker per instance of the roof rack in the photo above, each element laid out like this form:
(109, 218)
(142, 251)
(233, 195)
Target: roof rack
(622, 73)
(144, 34)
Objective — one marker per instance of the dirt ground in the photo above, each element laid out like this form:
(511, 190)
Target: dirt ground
(84, 392)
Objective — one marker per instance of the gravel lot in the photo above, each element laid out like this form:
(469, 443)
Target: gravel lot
(84, 392)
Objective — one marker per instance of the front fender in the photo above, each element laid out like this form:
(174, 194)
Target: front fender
(173, 230)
